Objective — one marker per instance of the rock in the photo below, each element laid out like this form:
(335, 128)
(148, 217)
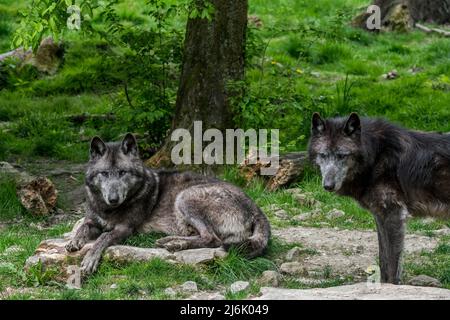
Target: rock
(189, 286)
(293, 254)
(277, 211)
(113, 286)
(359, 291)
(201, 255)
(391, 75)
(292, 268)
(442, 232)
(129, 254)
(335, 213)
(255, 21)
(39, 196)
(269, 278)
(307, 215)
(206, 296)
(305, 199)
(170, 292)
(239, 286)
(425, 281)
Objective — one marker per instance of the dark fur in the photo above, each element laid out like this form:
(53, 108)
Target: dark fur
(392, 171)
(195, 210)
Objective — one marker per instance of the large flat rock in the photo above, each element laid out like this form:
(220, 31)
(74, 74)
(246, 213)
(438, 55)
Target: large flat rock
(359, 291)
(52, 253)
(344, 252)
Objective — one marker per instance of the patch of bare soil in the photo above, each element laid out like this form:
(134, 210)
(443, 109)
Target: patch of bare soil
(343, 252)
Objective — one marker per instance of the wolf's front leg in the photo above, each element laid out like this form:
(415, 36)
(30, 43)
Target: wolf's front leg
(117, 235)
(87, 231)
(391, 234)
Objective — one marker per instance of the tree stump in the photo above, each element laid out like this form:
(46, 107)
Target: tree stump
(291, 168)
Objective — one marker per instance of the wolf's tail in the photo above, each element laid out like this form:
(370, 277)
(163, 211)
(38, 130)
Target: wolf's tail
(258, 241)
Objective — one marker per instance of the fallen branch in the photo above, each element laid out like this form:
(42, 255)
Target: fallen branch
(290, 170)
(432, 30)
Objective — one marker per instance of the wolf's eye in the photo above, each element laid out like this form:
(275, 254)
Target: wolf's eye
(122, 173)
(341, 156)
(104, 173)
(322, 155)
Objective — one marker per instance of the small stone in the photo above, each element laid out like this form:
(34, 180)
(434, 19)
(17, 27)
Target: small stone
(293, 190)
(335, 213)
(200, 255)
(239, 286)
(206, 296)
(292, 268)
(305, 199)
(113, 286)
(269, 278)
(189, 286)
(281, 214)
(307, 215)
(428, 220)
(170, 292)
(293, 254)
(391, 75)
(425, 281)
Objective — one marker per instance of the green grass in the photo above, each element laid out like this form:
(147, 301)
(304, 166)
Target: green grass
(10, 206)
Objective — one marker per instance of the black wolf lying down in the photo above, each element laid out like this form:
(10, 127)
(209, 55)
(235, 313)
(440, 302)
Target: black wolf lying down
(391, 171)
(125, 197)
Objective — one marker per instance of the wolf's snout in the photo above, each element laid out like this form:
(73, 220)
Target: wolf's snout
(329, 186)
(113, 199)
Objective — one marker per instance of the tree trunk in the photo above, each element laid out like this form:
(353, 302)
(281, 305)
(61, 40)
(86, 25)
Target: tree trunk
(403, 14)
(214, 53)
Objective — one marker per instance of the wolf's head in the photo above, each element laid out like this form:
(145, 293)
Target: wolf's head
(115, 171)
(335, 146)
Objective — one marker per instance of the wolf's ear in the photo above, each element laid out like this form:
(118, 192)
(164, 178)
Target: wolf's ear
(353, 124)
(98, 148)
(318, 125)
(129, 145)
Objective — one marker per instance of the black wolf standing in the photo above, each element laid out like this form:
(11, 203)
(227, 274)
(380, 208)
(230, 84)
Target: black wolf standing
(391, 171)
(124, 197)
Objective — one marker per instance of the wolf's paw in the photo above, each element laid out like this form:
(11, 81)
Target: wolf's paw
(89, 264)
(173, 244)
(74, 245)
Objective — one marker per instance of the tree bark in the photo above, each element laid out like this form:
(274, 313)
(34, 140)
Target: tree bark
(214, 53)
(403, 14)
